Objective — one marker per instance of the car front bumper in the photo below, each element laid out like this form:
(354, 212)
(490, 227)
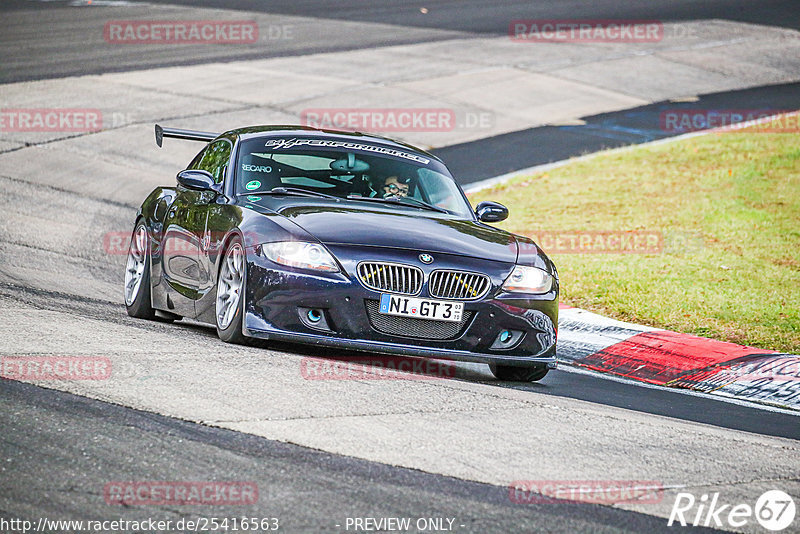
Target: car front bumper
(276, 297)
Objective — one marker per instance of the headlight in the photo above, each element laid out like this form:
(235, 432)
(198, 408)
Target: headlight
(528, 280)
(300, 254)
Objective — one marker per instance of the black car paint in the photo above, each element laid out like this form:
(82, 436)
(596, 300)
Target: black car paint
(183, 278)
(359, 223)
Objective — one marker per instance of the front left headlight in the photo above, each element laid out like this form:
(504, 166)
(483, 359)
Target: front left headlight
(300, 254)
(528, 280)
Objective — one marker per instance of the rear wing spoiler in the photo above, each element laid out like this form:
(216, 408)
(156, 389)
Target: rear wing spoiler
(189, 135)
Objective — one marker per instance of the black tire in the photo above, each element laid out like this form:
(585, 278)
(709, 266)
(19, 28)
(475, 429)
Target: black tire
(232, 332)
(141, 305)
(509, 373)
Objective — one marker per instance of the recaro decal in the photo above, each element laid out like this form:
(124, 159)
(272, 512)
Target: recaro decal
(256, 168)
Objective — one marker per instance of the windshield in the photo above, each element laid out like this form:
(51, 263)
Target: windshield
(353, 171)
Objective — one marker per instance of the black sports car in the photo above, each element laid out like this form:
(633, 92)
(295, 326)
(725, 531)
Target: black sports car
(340, 239)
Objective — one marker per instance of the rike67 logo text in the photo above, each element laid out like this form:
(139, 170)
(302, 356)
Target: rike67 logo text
(774, 510)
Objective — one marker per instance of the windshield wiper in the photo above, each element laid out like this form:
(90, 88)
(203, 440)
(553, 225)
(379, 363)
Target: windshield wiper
(399, 200)
(298, 191)
(422, 204)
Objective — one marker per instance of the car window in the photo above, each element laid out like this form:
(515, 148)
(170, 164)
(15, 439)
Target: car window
(347, 172)
(214, 159)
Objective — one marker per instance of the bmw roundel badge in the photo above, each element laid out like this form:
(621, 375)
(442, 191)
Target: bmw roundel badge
(426, 258)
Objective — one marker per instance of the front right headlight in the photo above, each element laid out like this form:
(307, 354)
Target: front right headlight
(528, 280)
(300, 254)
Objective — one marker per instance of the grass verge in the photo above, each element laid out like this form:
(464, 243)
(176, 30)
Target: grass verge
(726, 208)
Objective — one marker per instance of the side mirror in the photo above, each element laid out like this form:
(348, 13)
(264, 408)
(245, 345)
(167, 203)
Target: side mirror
(491, 212)
(197, 180)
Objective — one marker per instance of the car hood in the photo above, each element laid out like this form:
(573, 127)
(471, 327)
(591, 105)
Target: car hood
(400, 228)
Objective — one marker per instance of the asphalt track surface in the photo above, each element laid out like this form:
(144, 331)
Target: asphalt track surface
(82, 444)
(86, 443)
(513, 151)
(478, 16)
(75, 45)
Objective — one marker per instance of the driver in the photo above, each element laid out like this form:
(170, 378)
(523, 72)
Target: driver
(394, 186)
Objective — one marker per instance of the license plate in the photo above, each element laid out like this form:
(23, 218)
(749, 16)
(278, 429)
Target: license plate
(436, 310)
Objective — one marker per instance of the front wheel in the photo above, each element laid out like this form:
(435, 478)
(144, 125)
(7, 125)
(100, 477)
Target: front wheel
(509, 373)
(137, 275)
(230, 294)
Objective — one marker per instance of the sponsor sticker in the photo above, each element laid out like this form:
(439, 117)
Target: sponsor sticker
(283, 143)
(256, 168)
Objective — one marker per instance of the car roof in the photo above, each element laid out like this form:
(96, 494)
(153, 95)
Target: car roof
(251, 132)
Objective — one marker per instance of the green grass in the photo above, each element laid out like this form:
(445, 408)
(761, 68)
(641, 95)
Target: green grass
(736, 196)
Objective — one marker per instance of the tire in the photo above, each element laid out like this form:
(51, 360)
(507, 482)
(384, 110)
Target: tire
(228, 298)
(509, 373)
(137, 275)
